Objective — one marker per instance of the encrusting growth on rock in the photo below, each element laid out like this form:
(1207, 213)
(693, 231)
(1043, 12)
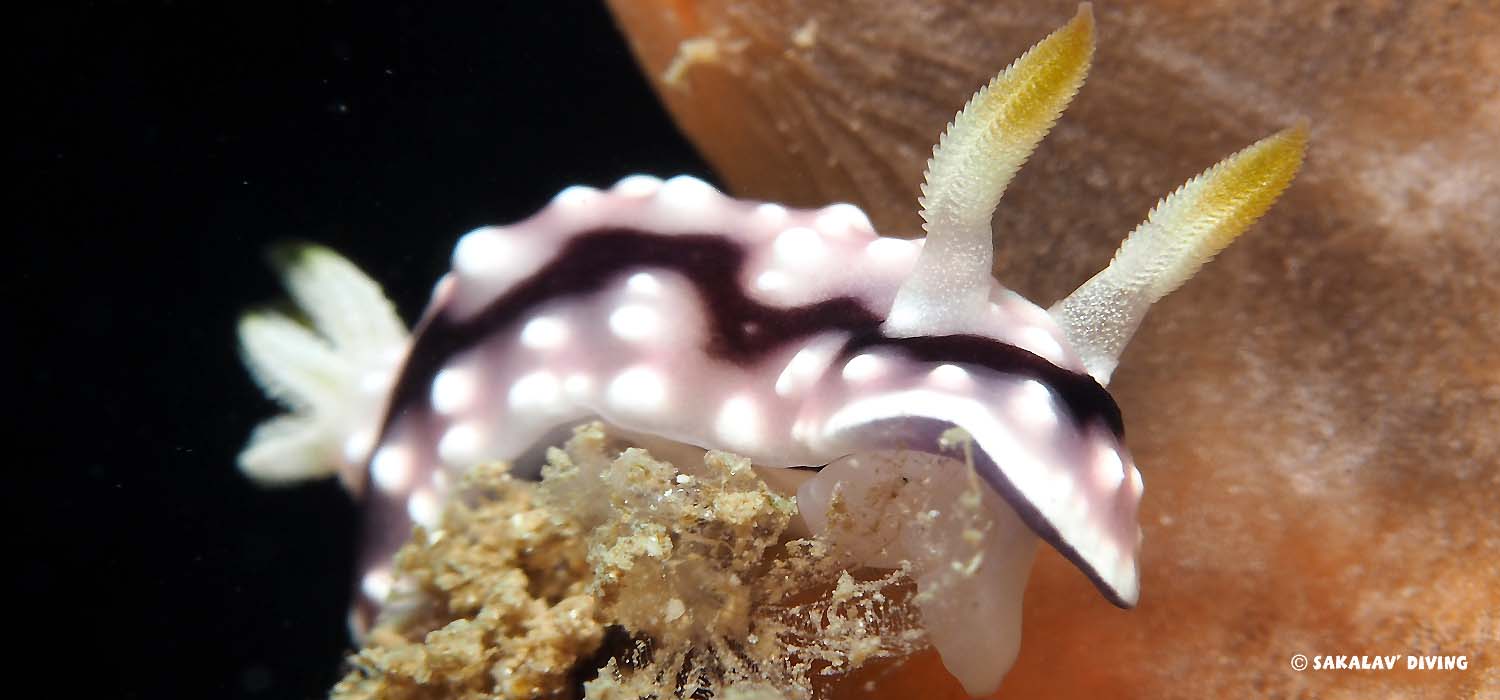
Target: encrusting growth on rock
(622, 576)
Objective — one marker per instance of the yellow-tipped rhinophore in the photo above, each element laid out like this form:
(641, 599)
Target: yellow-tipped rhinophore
(1190, 226)
(974, 160)
(1183, 231)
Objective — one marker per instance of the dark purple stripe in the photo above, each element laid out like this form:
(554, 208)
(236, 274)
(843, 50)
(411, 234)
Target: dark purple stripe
(742, 329)
(1082, 394)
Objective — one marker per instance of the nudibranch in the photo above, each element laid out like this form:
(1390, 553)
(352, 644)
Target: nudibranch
(798, 338)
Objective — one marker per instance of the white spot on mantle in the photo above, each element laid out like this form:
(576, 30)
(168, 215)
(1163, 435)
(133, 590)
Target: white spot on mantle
(887, 251)
(771, 213)
(391, 469)
(950, 377)
(803, 369)
(544, 333)
(576, 197)
(1108, 468)
(738, 423)
(460, 446)
(423, 508)
(637, 185)
(687, 192)
(453, 390)
(538, 391)
(772, 281)
(1033, 406)
(638, 390)
(635, 322)
(861, 368)
(800, 246)
(376, 585)
(843, 217)
(644, 284)
(486, 253)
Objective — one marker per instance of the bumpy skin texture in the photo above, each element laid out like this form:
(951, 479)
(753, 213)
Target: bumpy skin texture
(1321, 451)
(671, 310)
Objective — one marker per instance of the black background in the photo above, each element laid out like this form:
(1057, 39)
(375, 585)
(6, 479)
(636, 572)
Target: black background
(162, 148)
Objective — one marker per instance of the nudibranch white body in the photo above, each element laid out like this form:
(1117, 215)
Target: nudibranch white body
(797, 338)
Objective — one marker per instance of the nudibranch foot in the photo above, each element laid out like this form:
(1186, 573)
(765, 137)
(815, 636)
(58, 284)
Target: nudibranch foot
(968, 552)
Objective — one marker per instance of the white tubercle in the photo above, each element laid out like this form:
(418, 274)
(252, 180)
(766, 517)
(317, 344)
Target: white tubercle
(544, 333)
(639, 390)
(805, 367)
(738, 423)
(637, 186)
(576, 197)
(844, 218)
(687, 195)
(454, 390)
(392, 469)
(800, 247)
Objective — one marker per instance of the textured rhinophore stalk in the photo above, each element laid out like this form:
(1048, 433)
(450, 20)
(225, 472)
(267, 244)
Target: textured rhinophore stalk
(974, 160)
(1183, 231)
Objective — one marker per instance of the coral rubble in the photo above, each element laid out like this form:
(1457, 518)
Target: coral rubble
(623, 576)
